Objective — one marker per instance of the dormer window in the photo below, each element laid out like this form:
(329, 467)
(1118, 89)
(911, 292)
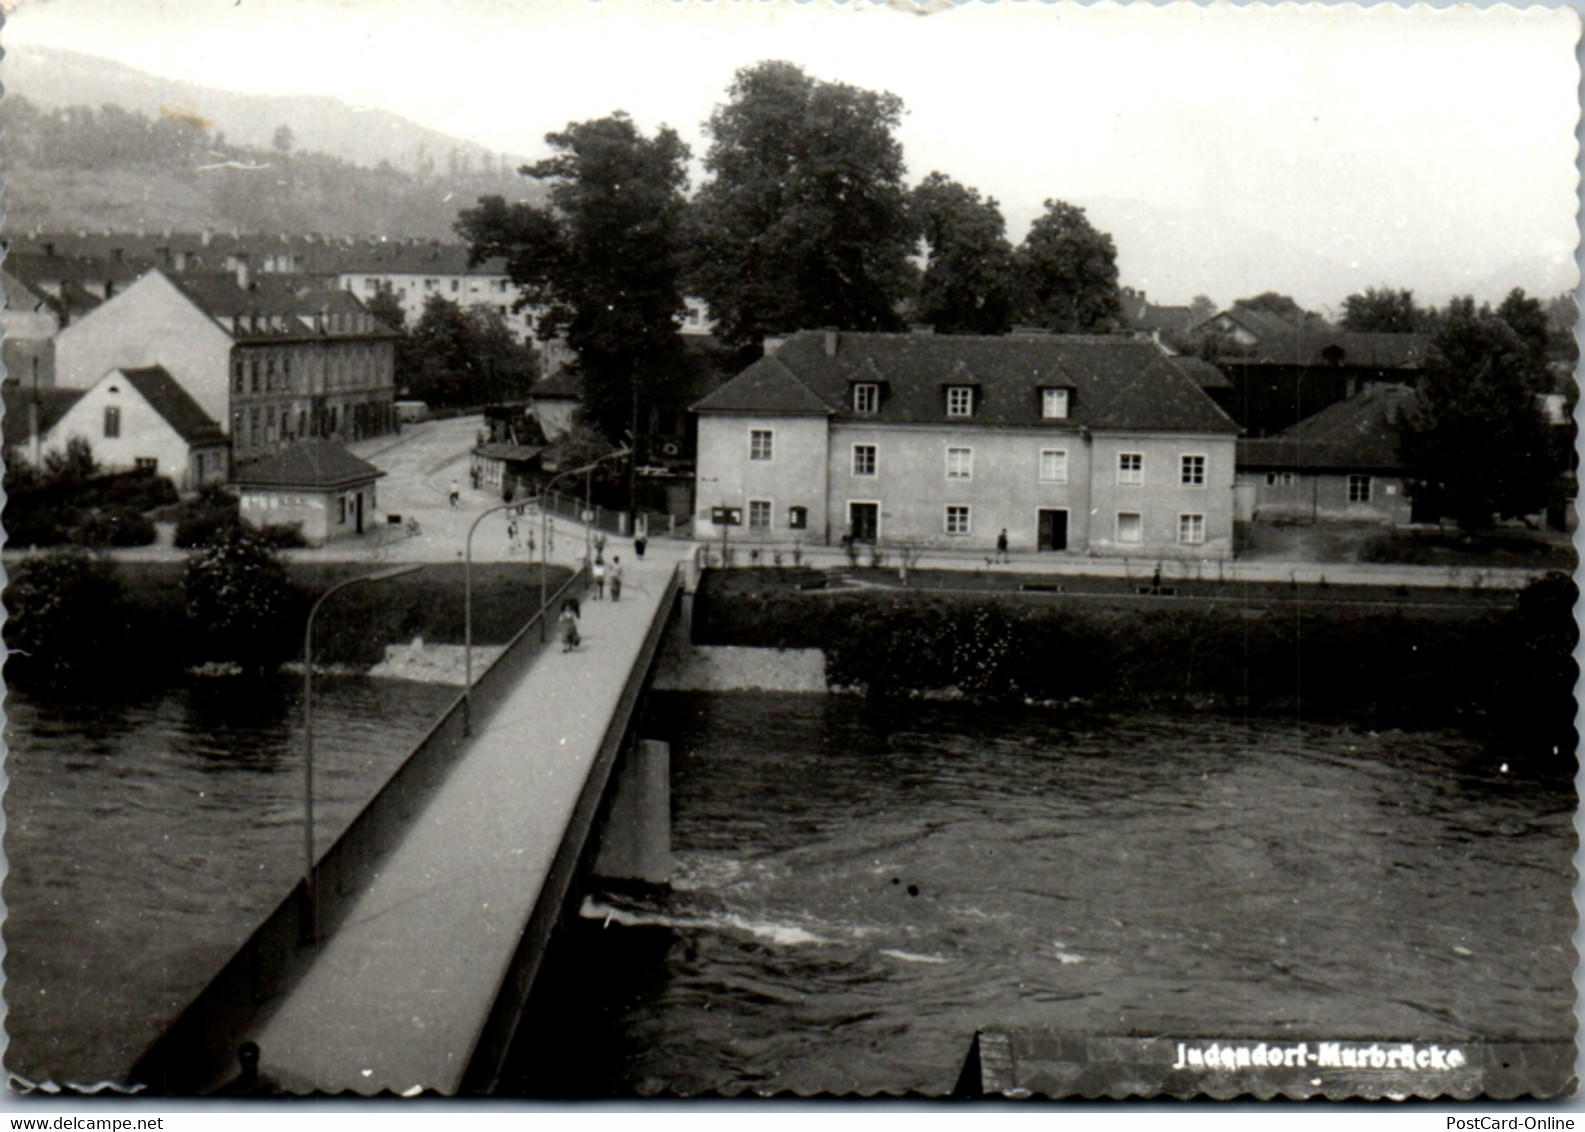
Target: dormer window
(960, 400)
(1054, 404)
(866, 397)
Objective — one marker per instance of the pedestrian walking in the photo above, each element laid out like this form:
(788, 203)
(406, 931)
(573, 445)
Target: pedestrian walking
(456, 491)
(1001, 546)
(640, 541)
(599, 546)
(512, 536)
(616, 577)
(569, 627)
(597, 578)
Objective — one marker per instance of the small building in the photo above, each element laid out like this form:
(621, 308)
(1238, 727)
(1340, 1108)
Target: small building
(499, 464)
(140, 419)
(556, 400)
(1342, 464)
(317, 485)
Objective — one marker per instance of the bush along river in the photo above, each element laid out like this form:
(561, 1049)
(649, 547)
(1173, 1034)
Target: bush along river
(860, 886)
(148, 837)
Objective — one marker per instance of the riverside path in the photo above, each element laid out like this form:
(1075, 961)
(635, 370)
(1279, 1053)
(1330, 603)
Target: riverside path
(397, 998)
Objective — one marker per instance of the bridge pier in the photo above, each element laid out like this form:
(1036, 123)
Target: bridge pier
(635, 843)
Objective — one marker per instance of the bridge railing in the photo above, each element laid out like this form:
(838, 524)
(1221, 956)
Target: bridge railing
(198, 1052)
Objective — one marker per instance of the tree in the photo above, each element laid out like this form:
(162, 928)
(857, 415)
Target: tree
(464, 356)
(603, 258)
(1067, 271)
(967, 286)
(1527, 318)
(236, 592)
(75, 464)
(1383, 310)
(283, 139)
(1475, 437)
(1283, 306)
(805, 222)
(1201, 307)
(56, 604)
(385, 306)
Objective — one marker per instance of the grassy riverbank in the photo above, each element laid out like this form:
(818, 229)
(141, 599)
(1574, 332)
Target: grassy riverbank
(141, 631)
(1372, 657)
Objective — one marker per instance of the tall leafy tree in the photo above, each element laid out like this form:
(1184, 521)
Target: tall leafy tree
(1476, 438)
(805, 220)
(602, 259)
(967, 286)
(1273, 302)
(1067, 272)
(463, 356)
(1384, 310)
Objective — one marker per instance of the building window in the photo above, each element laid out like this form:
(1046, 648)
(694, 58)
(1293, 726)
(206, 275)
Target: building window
(454, 285)
(759, 515)
(1130, 468)
(1192, 471)
(237, 377)
(1279, 479)
(960, 463)
(253, 375)
(864, 459)
(1359, 489)
(151, 465)
(112, 421)
(866, 397)
(1130, 528)
(798, 518)
(960, 401)
(759, 444)
(1054, 404)
(957, 519)
(1053, 466)
(1191, 529)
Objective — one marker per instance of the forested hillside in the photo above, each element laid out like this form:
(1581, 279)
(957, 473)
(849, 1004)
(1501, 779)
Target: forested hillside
(78, 167)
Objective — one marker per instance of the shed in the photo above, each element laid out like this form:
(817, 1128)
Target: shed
(318, 485)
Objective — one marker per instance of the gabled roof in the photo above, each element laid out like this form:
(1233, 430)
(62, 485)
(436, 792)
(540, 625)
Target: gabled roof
(1203, 373)
(175, 404)
(316, 465)
(1118, 383)
(53, 405)
(1360, 434)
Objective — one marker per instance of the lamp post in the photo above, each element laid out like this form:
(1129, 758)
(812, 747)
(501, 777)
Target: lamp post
(467, 614)
(544, 523)
(310, 930)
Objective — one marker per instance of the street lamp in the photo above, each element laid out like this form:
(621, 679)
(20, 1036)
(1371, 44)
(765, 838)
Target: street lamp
(310, 931)
(544, 522)
(467, 614)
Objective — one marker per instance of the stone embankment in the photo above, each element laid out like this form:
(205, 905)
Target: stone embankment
(433, 664)
(684, 667)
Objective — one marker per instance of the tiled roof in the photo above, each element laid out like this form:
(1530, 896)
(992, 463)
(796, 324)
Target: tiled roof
(1117, 383)
(1203, 373)
(293, 301)
(516, 452)
(18, 423)
(320, 465)
(1339, 348)
(1359, 433)
(176, 405)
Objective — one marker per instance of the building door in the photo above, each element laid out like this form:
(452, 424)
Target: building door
(1053, 530)
(360, 513)
(865, 521)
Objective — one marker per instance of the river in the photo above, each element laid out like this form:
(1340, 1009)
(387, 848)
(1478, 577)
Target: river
(147, 838)
(859, 888)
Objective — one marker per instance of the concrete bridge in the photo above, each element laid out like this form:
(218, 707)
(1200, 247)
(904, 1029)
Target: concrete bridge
(436, 906)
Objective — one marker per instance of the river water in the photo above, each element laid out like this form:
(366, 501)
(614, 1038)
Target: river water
(859, 888)
(146, 839)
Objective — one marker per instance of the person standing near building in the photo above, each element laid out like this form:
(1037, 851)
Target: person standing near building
(1001, 546)
(616, 577)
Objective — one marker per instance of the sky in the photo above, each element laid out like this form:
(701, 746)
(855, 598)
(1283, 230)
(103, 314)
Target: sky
(1311, 150)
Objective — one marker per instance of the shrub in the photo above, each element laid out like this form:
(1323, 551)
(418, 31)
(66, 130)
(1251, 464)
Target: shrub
(202, 530)
(236, 591)
(283, 536)
(57, 605)
(116, 526)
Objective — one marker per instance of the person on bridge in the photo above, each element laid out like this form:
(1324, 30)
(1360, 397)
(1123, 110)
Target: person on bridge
(597, 578)
(616, 577)
(569, 627)
(456, 491)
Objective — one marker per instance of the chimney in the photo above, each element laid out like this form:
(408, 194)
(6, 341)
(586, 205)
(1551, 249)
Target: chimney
(180, 261)
(831, 341)
(243, 279)
(207, 236)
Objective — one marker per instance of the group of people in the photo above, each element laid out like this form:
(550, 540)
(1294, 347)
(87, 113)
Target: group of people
(601, 575)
